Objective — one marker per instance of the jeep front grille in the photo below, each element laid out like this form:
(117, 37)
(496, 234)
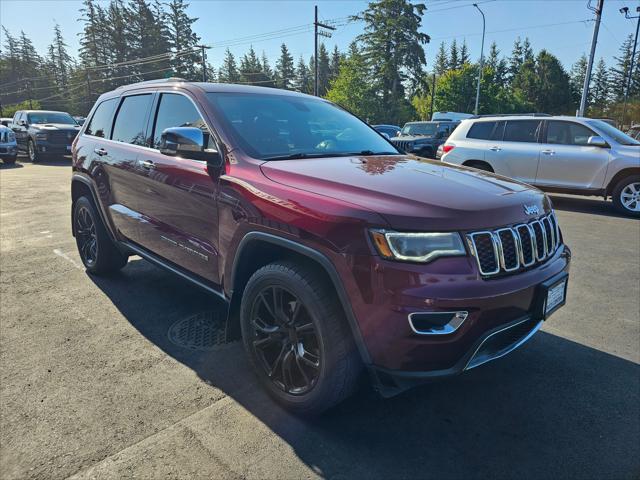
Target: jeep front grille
(403, 145)
(515, 248)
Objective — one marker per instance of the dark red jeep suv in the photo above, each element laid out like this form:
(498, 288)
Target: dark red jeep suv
(337, 253)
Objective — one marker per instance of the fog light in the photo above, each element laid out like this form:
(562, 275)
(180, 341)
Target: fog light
(436, 323)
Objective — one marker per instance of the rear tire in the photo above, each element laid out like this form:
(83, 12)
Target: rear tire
(626, 195)
(97, 251)
(297, 338)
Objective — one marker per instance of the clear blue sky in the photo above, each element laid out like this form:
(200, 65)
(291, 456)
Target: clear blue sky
(545, 22)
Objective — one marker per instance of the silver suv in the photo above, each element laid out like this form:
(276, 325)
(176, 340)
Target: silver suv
(558, 154)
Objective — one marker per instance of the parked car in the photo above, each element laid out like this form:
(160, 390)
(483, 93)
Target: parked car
(335, 252)
(44, 134)
(389, 131)
(8, 146)
(423, 138)
(558, 154)
(634, 132)
(449, 116)
(6, 121)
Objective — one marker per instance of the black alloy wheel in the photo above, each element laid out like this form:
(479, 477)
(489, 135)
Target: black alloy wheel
(285, 340)
(86, 235)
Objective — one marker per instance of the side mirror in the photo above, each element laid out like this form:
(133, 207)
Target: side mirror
(23, 123)
(189, 142)
(596, 141)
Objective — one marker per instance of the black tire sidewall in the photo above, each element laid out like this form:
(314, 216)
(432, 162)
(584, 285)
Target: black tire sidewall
(31, 144)
(280, 275)
(617, 190)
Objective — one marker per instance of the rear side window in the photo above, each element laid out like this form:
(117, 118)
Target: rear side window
(176, 110)
(568, 133)
(100, 123)
(521, 131)
(131, 120)
(481, 130)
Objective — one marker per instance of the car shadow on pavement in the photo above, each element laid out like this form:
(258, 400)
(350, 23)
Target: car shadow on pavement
(552, 409)
(593, 206)
(9, 166)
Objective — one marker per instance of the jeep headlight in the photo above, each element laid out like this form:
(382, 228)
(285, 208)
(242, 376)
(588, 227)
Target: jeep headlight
(41, 136)
(417, 247)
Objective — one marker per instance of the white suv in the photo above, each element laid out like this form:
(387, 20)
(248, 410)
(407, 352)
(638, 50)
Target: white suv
(558, 154)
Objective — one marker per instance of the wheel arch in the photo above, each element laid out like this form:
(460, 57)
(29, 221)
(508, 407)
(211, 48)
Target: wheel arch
(625, 172)
(472, 162)
(257, 249)
(81, 186)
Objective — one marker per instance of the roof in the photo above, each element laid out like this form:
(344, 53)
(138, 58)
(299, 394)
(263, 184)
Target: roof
(210, 87)
(42, 111)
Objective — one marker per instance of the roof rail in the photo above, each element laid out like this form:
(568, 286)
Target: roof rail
(513, 115)
(151, 82)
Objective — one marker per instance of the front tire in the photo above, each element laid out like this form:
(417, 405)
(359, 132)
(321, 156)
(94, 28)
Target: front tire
(32, 152)
(97, 251)
(626, 195)
(297, 338)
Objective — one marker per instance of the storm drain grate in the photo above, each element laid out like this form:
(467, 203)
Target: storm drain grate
(202, 331)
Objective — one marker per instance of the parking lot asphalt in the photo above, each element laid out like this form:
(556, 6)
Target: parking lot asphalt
(92, 387)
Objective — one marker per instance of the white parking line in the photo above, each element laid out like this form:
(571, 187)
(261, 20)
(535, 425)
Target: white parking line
(61, 254)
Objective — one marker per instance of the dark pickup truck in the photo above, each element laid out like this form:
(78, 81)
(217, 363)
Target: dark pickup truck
(336, 253)
(43, 134)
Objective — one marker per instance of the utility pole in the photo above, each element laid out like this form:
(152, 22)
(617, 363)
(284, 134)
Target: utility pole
(594, 41)
(204, 63)
(433, 95)
(322, 33)
(625, 10)
(481, 60)
(88, 90)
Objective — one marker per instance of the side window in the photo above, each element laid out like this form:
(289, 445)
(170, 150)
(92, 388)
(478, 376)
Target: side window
(481, 130)
(521, 131)
(568, 133)
(131, 120)
(176, 110)
(100, 123)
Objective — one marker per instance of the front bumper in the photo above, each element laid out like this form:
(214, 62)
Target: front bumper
(8, 151)
(49, 148)
(402, 357)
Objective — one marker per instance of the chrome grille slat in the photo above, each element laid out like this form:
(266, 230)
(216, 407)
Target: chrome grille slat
(510, 249)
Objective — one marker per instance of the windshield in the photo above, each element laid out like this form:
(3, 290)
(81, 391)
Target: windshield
(420, 129)
(51, 117)
(277, 127)
(612, 132)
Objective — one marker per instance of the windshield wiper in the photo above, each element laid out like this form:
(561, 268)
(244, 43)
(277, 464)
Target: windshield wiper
(371, 152)
(295, 156)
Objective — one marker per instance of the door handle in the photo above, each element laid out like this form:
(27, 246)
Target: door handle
(100, 151)
(495, 149)
(548, 152)
(148, 164)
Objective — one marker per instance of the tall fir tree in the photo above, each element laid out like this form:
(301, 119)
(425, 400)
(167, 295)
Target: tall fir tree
(600, 93)
(183, 40)
(454, 56)
(285, 70)
(464, 53)
(576, 78)
(324, 70)
(334, 66)
(441, 62)
(228, 71)
(303, 79)
(620, 70)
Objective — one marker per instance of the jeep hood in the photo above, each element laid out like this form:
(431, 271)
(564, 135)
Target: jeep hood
(413, 194)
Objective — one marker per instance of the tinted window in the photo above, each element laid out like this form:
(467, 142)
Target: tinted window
(176, 111)
(100, 123)
(613, 132)
(273, 126)
(51, 117)
(420, 129)
(481, 130)
(568, 133)
(521, 131)
(131, 120)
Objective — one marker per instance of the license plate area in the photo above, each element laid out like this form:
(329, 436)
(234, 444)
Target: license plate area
(551, 295)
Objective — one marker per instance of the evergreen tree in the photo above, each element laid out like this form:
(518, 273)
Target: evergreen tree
(496, 65)
(577, 75)
(228, 72)
(334, 66)
(182, 39)
(93, 36)
(516, 60)
(454, 59)
(393, 50)
(324, 70)
(464, 53)
(251, 71)
(285, 70)
(441, 62)
(11, 56)
(600, 89)
(620, 71)
(303, 81)
(267, 71)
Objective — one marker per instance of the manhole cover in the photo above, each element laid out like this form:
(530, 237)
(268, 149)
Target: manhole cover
(202, 331)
